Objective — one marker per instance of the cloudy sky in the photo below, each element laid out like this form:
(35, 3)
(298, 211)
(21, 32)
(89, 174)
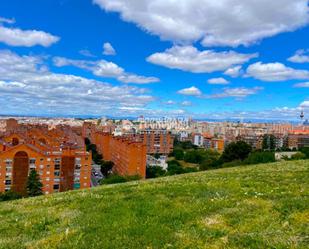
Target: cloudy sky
(200, 58)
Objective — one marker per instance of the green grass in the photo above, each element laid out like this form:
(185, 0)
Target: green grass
(264, 206)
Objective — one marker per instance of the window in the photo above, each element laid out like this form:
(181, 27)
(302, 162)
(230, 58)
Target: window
(57, 173)
(32, 160)
(8, 182)
(56, 186)
(57, 163)
(77, 166)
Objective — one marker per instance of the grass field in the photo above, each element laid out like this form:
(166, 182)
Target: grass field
(264, 206)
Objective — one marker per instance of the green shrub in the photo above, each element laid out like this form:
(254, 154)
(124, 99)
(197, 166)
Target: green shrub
(9, 196)
(133, 178)
(305, 151)
(298, 156)
(210, 163)
(260, 157)
(112, 179)
(154, 171)
(174, 168)
(178, 154)
(106, 167)
(190, 170)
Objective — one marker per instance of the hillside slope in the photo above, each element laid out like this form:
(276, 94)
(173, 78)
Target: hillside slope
(264, 206)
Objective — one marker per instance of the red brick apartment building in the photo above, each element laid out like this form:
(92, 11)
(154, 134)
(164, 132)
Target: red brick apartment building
(128, 154)
(156, 141)
(58, 155)
(298, 138)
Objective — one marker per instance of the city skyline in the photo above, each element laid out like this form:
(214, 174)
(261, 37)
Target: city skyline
(116, 58)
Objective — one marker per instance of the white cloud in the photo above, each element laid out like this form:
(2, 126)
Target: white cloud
(303, 84)
(275, 72)
(103, 68)
(87, 53)
(137, 79)
(25, 38)
(218, 81)
(108, 49)
(188, 58)
(239, 92)
(305, 104)
(186, 103)
(7, 20)
(170, 102)
(301, 56)
(191, 91)
(28, 87)
(234, 71)
(223, 23)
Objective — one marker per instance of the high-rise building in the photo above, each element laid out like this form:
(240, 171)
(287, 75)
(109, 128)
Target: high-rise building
(127, 154)
(156, 141)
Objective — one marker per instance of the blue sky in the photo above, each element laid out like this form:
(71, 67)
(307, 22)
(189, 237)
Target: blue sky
(200, 58)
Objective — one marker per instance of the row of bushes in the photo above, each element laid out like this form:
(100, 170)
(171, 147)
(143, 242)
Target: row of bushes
(174, 168)
(114, 178)
(9, 196)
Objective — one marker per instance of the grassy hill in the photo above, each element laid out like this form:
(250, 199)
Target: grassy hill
(264, 206)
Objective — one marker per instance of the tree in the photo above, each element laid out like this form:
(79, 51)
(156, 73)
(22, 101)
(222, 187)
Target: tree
(305, 150)
(269, 142)
(87, 141)
(174, 168)
(34, 186)
(156, 155)
(97, 158)
(178, 154)
(154, 171)
(106, 167)
(236, 151)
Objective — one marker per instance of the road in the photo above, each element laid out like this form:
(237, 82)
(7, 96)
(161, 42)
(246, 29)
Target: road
(96, 175)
